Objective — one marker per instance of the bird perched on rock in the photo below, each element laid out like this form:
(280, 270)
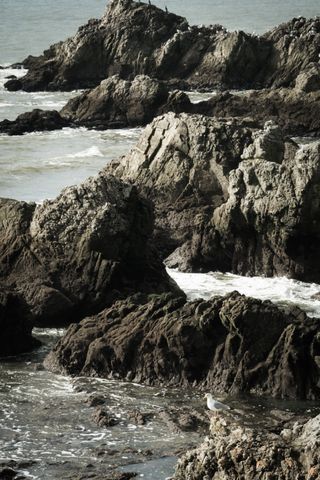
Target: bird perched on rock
(214, 405)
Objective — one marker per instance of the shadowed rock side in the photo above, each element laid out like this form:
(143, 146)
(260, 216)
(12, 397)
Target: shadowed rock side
(229, 344)
(236, 451)
(15, 325)
(228, 197)
(74, 255)
(135, 38)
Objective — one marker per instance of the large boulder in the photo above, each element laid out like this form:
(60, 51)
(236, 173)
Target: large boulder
(135, 38)
(15, 325)
(181, 163)
(235, 450)
(122, 103)
(229, 344)
(228, 196)
(75, 254)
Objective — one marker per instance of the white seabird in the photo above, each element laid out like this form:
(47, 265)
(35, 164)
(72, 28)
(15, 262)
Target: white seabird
(214, 405)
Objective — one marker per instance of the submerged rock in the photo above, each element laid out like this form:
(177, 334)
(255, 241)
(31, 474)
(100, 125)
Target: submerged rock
(228, 344)
(35, 121)
(135, 38)
(75, 254)
(237, 451)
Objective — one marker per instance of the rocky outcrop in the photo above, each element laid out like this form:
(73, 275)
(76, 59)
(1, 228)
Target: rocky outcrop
(35, 121)
(238, 451)
(181, 163)
(229, 197)
(15, 325)
(229, 344)
(294, 110)
(74, 255)
(118, 103)
(134, 38)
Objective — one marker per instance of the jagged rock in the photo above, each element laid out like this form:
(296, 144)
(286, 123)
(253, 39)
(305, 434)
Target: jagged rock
(229, 197)
(135, 38)
(103, 418)
(15, 325)
(182, 162)
(77, 253)
(309, 80)
(37, 120)
(120, 103)
(239, 452)
(296, 112)
(229, 344)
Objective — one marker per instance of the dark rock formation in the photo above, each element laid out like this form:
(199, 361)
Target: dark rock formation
(182, 164)
(237, 451)
(120, 103)
(296, 112)
(230, 344)
(15, 325)
(228, 197)
(35, 121)
(75, 254)
(135, 38)
(103, 418)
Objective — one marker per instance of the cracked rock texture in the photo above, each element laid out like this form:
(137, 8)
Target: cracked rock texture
(228, 344)
(236, 451)
(135, 38)
(229, 197)
(75, 254)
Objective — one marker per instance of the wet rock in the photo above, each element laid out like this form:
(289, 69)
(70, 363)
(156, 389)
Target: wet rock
(119, 103)
(103, 418)
(239, 452)
(138, 418)
(135, 38)
(229, 344)
(7, 474)
(37, 120)
(184, 419)
(13, 85)
(95, 400)
(79, 252)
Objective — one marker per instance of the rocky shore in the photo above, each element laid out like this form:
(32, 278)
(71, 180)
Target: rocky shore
(218, 185)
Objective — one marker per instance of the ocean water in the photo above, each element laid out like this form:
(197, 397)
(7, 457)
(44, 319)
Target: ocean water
(28, 27)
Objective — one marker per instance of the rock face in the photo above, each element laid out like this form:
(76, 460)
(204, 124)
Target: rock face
(239, 452)
(181, 163)
(228, 344)
(134, 38)
(120, 103)
(37, 120)
(73, 255)
(229, 197)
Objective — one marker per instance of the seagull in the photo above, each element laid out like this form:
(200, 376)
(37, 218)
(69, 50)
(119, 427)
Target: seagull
(214, 404)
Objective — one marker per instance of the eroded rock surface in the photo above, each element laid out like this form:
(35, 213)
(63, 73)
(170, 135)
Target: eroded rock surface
(76, 254)
(229, 197)
(136, 38)
(237, 451)
(229, 344)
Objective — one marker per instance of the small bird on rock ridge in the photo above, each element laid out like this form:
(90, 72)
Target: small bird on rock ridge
(214, 405)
